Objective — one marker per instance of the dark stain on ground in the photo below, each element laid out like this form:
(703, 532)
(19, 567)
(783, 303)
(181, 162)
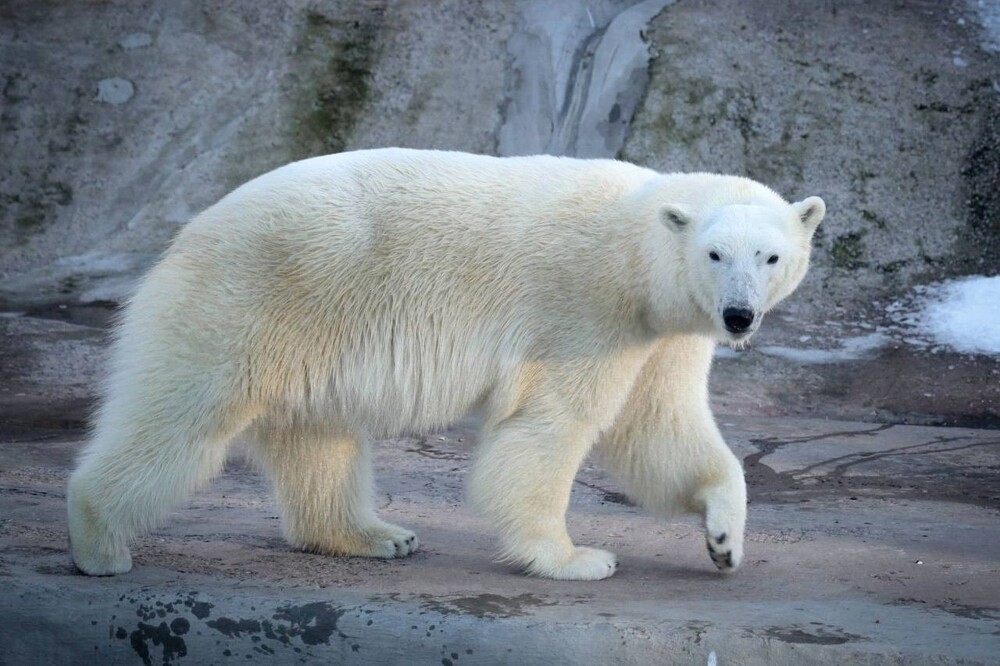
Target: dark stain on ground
(607, 495)
(699, 627)
(484, 605)
(234, 628)
(163, 635)
(423, 446)
(905, 385)
(815, 635)
(160, 636)
(200, 609)
(981, 488)
(46, 421)
(54, 569)
(971, 612)
(901, 384)
(952, 606)
(314, 623)
(94, 314)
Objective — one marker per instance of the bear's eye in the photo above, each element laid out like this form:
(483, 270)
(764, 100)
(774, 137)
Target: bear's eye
(773, 259)
(714, 256)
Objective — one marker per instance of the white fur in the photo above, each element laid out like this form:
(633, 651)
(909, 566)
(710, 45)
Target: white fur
(367, 294)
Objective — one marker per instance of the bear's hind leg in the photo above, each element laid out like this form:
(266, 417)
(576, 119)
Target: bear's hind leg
(135, 470)
(323, 483)
(522, 481)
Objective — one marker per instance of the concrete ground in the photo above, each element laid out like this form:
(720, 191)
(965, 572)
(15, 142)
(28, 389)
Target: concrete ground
(867, 543)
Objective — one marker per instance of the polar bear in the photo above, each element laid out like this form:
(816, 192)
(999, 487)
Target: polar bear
(574, 303)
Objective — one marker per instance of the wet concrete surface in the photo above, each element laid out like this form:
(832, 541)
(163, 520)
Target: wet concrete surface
(867, 543)
(858, 370)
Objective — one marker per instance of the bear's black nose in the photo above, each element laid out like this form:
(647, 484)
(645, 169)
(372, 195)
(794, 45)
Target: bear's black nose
(737, 320)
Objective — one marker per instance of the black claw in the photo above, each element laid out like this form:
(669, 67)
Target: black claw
(721, 538)
(722, 561)
(710, 548)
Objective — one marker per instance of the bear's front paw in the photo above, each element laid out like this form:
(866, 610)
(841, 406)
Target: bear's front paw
(720, 549)
(583, 564)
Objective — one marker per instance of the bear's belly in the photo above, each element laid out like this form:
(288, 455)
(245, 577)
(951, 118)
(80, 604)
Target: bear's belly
(408, 385)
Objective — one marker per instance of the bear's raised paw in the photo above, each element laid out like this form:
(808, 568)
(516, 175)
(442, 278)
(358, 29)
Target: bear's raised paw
(721, 553)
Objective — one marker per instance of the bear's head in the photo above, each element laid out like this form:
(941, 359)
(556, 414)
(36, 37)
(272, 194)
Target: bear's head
(742, 259)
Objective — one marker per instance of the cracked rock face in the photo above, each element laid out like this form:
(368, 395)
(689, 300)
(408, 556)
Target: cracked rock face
(151, 112)
(121, 122)
(836, 101)
(202, 102)
(579, 71)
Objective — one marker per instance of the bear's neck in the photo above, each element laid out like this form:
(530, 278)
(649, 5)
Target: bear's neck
(658, 286)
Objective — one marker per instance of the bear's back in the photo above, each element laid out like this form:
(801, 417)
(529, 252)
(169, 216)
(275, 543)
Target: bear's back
(416, 281)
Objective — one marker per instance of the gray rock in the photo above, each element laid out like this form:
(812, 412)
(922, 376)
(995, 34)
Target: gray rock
(135, 40)
(579, 70)
(114, 91)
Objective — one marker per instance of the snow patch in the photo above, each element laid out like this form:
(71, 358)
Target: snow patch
(851, 349)
(961, 314)
(856, 348)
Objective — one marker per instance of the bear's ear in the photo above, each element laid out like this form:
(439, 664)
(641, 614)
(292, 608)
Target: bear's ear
(811, 212)
(674, 217)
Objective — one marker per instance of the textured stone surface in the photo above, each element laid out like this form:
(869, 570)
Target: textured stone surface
(888, 111)
(837, 100)
(579, 70)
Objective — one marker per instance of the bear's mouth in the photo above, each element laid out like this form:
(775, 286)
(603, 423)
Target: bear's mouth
(739, 340)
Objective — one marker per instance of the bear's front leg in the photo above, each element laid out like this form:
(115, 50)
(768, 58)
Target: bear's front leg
(668, 453)
(522, 481)
(722, 496)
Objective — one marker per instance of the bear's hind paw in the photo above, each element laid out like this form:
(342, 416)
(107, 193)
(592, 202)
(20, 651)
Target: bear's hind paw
(101, 561)
(382, 540)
